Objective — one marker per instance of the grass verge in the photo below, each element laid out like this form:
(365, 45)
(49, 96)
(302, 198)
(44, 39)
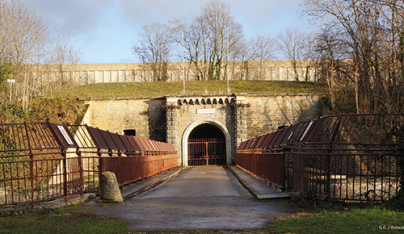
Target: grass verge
(64, 220)
(71, 220)
(355, 220)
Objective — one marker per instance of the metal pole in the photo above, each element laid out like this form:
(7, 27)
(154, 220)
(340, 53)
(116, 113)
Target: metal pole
(11, 81)
(11, 89)
(183, 72)
(227, 70)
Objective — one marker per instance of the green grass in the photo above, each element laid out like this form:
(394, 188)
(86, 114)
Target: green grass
(61, 221)
(160, 89)
(335, 219)
(356, 220)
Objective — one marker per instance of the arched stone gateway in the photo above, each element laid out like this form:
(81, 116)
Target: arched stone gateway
(196, 128)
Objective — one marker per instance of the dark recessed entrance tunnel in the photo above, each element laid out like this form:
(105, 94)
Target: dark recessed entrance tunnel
(206, 146)
(206, 131)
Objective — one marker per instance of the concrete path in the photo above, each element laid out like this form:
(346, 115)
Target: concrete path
(143, 185)
(197, 182)
(258, 187)
(196, 198)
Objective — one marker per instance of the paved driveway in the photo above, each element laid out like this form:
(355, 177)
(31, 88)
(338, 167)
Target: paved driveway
(197, 198)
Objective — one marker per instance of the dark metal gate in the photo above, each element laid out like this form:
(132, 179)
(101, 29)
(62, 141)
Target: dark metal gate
(206, 151)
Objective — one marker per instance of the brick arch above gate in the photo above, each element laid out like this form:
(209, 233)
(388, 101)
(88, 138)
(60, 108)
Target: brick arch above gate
(195, 124)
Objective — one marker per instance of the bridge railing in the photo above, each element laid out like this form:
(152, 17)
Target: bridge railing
(46, 161)
(344, 157)
(38, 161)
(130, 158)
(268, 157)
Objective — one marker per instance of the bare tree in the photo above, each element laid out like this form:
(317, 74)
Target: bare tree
(243, 52)
(372, 33)
(221, 35)
(154, 48)
(28, 46)
(293, 44)
(23, 33)
(60, 52)
(190, 37)
(264, 48)
(330, 61)
(209, 39)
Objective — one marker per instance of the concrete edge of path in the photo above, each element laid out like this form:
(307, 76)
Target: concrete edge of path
(136, 189)
(255, 186)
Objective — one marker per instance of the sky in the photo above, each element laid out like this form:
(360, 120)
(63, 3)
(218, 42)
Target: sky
(107, 29)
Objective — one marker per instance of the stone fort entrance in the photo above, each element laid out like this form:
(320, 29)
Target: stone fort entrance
(206, 142)
(204, 130)
(206, 146)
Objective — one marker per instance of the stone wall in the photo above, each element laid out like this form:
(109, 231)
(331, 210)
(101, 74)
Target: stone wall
(171, 119)
(267, 112)
(143, 115)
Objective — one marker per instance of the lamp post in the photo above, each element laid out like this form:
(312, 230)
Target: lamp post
(183, 73)
(11, 81)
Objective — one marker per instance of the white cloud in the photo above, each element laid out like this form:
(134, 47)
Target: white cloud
(74, 15)
(115, 23)
(84, 16)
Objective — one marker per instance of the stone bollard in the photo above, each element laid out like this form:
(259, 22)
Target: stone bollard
(109, 188)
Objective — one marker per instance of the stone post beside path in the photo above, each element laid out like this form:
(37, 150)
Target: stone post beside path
(109, 188)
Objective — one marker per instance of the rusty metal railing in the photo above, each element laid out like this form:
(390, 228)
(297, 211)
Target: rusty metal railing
(46, 161)
(266, 158)
(130, 158)
(350, 157)
(344, 157)
(146, 166)
(38, 161)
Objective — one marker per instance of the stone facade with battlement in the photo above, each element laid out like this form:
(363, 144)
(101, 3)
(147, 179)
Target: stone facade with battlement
(173, 119)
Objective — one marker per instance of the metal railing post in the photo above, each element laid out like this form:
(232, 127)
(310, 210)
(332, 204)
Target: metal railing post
(63, 153)
(31, 163)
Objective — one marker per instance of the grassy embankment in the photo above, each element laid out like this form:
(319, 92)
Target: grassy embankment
(160, 89)
(67, 105)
